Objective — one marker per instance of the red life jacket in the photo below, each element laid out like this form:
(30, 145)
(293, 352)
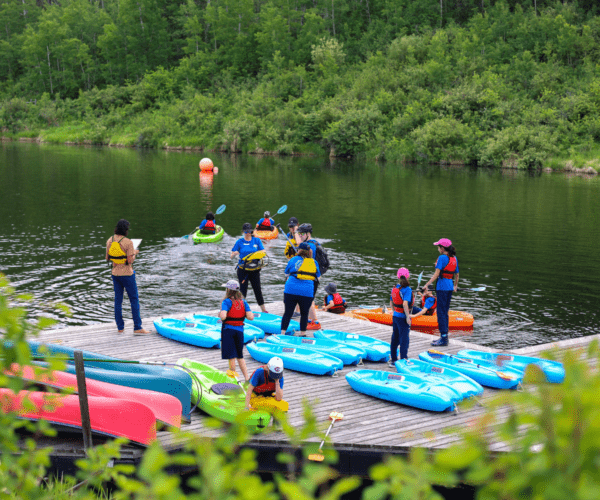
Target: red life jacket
(339, 306)
(398, 302)
(268, 387)
(209, 227)
(265, 225)
(450, 270)
(431, 310)
(237, 314)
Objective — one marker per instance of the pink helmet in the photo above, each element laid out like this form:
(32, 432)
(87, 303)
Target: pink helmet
(403, 272)
(445, 242)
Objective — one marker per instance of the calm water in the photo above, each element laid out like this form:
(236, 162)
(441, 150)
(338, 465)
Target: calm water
(530, 239)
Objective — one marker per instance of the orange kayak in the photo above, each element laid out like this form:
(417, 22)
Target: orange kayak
(266, 235)
(457, 319)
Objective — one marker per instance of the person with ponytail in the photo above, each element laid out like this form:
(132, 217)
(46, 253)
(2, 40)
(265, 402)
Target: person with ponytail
(446, 274)
(401, 300)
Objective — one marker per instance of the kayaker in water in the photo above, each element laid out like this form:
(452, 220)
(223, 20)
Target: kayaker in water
(119, 249)
(446, 274)
(243, 248)
(208, 226)
(266, 223)
(428, 305)
(289, 247)
(304, 235)
(266, 381)
(333, 301)
(302, 271)
(234, 310)
(401, 300)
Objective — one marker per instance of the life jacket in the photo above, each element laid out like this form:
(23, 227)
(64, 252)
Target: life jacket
(289, 249)
(116, 253)
(398, 306)
(265, 225)
(307, 270)
(431, 310)
(450, 270)
(237, 314)
(253, 261)
(209, 227)
(268, 387)
(339, 305)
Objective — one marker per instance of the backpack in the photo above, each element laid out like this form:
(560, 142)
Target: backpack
(321, 257)
(116, 253)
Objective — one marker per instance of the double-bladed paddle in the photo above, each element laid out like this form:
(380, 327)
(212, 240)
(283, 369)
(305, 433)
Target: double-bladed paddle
(219, 211)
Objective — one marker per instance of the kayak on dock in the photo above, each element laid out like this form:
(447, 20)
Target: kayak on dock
(271, 323)
(199, 334)
(375, 349)
(251, 332)
(349, 355)
(296, 358)
(199, 237)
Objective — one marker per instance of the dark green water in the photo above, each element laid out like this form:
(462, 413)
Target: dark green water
(530, 239)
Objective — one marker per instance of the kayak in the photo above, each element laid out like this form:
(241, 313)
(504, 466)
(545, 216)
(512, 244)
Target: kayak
(108, 416)
(297, 358)
(271, 323)
(194, 333)
(166, 408)
(484, 372)
(406, 389)
(553, 370)
(222, 397)
(266, 234)
(375, 349)
(251, 332)
(456, 319)
(198, 237)
(348, 354)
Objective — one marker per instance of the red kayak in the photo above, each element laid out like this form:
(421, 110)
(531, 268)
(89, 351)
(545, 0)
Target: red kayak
(166, 408)
(109, 416)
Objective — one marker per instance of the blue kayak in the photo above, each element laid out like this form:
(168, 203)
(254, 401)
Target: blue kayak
(198, 334)
(554, 370)
(271, 323)
(296, 358)
(410, 390)
(348, 354)
(484, 372)
(376, 350)
(251, 332)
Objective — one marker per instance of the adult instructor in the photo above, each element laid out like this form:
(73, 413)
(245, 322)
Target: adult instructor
(446, 274)
(119, 250)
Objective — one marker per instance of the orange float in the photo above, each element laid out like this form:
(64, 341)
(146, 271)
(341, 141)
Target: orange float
(266, 235)
(456, 319)
(206, 164)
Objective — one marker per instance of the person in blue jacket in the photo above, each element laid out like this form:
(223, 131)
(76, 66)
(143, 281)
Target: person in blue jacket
(302, 271)
(243, 247)
(446, 274)
(208, 225)
(428, 305)
(304, 235)
(401, 300)
(266, 223)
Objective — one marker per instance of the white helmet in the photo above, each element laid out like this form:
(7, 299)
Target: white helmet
(275, 366)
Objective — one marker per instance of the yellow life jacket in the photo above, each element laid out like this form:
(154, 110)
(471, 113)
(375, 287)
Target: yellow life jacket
(253, 261)
(116, 253)
(307, 270)
(289, 249)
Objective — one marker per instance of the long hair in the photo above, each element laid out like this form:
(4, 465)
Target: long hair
(451, 251)
(304, 253)
(403, 282)
(122, 227)
(233, 294)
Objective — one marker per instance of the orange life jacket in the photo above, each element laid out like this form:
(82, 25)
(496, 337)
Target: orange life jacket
(237, 314)
(398, 302)
(450, 270)
(338, 303)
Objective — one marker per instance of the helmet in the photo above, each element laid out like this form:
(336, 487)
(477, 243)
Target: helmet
(275, 366)
(293, 222)
(232, 285)
(267, 214)
(331, 288)
(246, 227)
(305, 228)
(403, 272)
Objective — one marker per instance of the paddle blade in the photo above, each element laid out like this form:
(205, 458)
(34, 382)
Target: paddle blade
(185, 237)
(221, 209)
(316, 457)
(282, 209)
(505, 376)
(434, 352)
(480, 289)
(334, 415)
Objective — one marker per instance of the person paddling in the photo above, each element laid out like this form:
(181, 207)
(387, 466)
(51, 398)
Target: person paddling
(266, 381)
(266, 223)
(401, 300)
(446, 274)
(291, 235)
(333, 301)
(208, 226)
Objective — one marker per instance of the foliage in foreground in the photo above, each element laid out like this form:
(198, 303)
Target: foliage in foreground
(552, 435)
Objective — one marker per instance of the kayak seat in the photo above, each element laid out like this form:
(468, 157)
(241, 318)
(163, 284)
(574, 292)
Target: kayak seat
(225, 387)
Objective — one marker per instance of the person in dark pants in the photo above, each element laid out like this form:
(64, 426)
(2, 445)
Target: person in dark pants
(244, 247)
(119, 250)
(446, 274)
(234, 310)
(401, 300)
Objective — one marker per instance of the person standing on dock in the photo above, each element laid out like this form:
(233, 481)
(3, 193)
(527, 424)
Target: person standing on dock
(120, 250)
(402, 300)
(446, 274)
(304, 235)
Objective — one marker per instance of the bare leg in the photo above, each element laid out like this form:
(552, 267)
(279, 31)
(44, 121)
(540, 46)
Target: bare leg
(242, 364)
(232, 365)
(263, 308)
(312, 313)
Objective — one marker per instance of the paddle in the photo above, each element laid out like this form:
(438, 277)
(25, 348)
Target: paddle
(476, 289)
(278, 226)
(219, 211)
(319, 457)
(502, 375)
(281, 210)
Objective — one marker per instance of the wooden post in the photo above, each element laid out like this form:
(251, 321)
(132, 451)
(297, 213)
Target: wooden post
(86, 425)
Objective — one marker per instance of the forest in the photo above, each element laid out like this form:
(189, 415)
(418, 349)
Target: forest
(482, 82)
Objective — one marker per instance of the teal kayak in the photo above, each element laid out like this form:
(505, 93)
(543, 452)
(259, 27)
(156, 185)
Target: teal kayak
(195, 333)
(348, 354)
(377, 350)
(271, 323)
(296, 358)
(198, 237)
(251, 332)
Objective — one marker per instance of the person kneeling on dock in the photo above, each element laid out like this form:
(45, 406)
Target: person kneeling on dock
(266, 381)
(333, 301)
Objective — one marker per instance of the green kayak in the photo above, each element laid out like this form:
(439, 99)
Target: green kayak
(198, 237)
(222, 397)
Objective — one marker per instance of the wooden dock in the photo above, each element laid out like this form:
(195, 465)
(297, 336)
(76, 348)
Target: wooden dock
(371, 427)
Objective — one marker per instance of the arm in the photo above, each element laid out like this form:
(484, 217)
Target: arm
(432, 279)
(222, 315)
(328, 306)
(456, 282)
(131, 252)
(420, 313)
(234, 254)
(278, 391)
(249, 315)
(406, 312)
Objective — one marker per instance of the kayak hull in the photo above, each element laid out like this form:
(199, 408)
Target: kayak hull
(198, 237)
(199, 334)
(375, 349)
(297, 358)
(271, 323)
(251, 332)
(456, 319)
(348, 354)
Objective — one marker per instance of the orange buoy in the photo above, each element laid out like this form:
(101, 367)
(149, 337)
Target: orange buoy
(206, 164)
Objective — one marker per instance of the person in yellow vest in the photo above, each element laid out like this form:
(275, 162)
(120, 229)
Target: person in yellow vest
(119, 250)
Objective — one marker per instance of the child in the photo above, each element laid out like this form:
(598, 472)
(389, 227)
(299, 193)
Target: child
(402, 301)
(428, 305)
(266, 223)
(333, 302)
(208, 226)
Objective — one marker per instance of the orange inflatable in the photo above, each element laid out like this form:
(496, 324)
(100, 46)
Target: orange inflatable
(266, 235)
(206, 164)
(456, 320)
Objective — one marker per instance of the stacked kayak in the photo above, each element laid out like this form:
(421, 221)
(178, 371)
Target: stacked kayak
(484, 372)
(375, 349)
(553, 370)
(407, 389)
(266, 234)
(348, 354)
(251, 332)
(456, 319)
(198, 237)
(198, 334)
(297, 358)
(271, 323)
(222, 397)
